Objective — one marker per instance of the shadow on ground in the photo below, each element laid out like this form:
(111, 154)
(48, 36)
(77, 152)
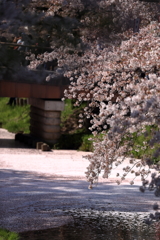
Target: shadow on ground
(11, 143)
(31, 201)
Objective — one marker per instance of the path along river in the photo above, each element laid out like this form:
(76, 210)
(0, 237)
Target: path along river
(38, 189)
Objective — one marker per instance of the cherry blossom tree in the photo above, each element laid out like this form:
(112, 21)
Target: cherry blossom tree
(118, 75)
(110, 52)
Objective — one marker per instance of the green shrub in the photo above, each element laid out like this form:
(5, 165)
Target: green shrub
(72, 136)
(68, 110)
(142, 147)
(86, 145)
(7, 235)
(75, 141)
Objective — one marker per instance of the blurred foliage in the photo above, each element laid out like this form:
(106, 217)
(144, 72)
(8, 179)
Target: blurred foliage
(143, 146)
(76, 141)
(72, 136)
(7, 235)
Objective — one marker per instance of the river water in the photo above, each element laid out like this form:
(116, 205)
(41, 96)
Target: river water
(96, 225)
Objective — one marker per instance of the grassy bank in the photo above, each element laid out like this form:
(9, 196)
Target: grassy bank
(7, 235)
(14, 118)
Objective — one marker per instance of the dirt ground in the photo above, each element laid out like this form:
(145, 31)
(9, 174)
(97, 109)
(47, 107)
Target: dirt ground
(38, 189)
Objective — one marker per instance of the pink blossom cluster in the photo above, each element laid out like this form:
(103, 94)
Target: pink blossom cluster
(126, 101)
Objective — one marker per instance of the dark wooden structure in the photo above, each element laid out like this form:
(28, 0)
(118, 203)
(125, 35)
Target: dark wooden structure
(36, 88)
(31, 90)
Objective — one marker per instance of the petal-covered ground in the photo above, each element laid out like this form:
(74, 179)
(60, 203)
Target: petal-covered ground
(39, 189)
